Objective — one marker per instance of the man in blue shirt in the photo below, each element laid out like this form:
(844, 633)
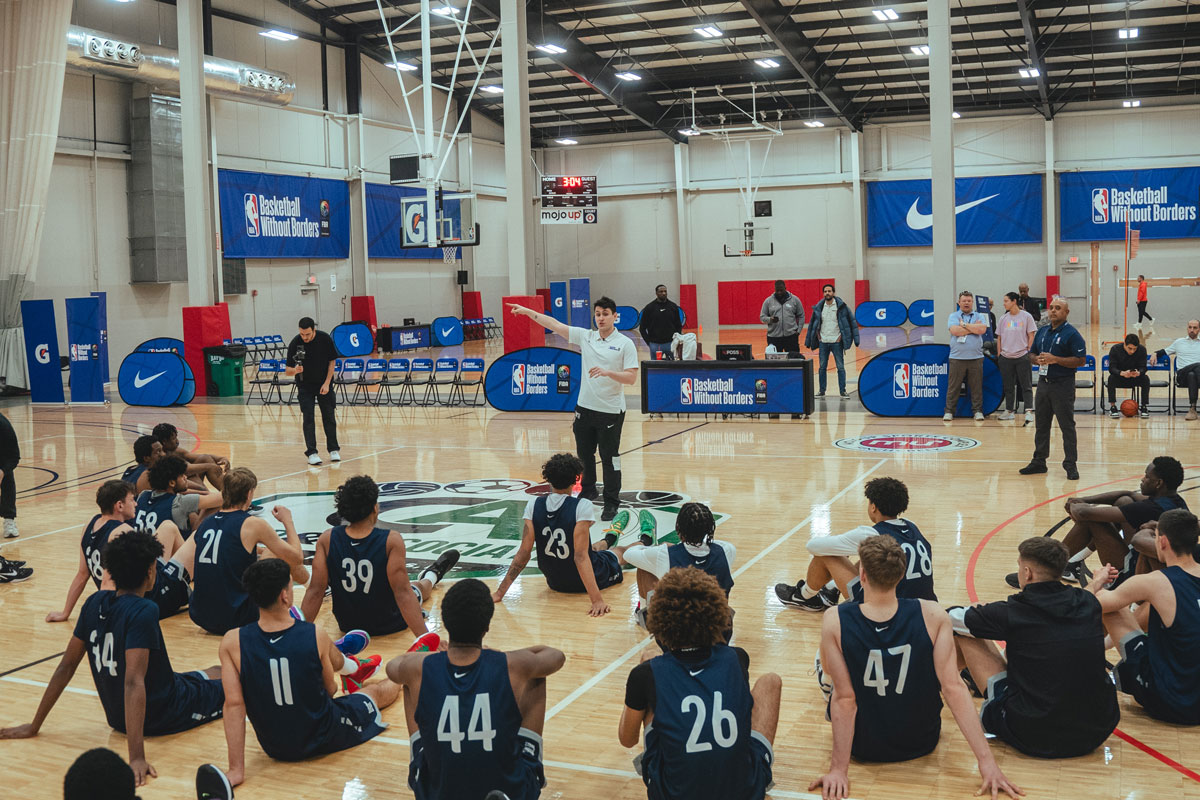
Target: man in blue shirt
(966, 355)
(1058, 350)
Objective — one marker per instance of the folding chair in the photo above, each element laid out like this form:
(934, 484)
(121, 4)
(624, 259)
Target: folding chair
(491, 327)
(397, 375)
(373, 375)
(347, 372)
(445, 373)
(418, 375)
(471, 374)
(1093, 383)
(266, 381)
(1163, 382)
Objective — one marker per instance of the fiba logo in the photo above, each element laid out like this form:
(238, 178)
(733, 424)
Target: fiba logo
(42, 353)
(253, 226)
(518, 379)
(685, 391)
(1099, 206)
(901, 381)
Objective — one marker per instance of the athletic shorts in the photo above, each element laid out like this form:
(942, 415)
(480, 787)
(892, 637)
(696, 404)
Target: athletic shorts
(379, 623)
(758, 777)
(607, 568)
(1134, 677)
(357, 721)
(529, 767)
(195, 700)
(172, 590)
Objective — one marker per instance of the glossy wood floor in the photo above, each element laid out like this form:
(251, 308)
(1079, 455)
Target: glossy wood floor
(778, 482)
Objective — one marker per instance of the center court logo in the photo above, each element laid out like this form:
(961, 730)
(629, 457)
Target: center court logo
(685, 391)
(1099, 206)
(901, 381)
(907, 442)
(253, 224)
(518, 379)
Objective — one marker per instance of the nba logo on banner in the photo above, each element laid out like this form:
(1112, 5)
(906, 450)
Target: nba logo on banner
(253, 227)
(1099, 206)
(685, 391)
(518, 379)
(901, 386)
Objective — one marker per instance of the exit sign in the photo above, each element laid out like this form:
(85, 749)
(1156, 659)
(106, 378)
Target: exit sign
(1072, 259)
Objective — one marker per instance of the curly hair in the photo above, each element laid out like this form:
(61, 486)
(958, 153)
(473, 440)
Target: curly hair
(889, 495)
(143, 448)
(1169, 471)
(467, 610)
(562, 469)
(695, 524)
(164, 431)
(688, 609)
(128, 558)
(356, 498)
(265, 579)
(166, 471)
(882, 561)
(99, 774)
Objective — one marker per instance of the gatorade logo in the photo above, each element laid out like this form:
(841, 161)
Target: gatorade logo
(354, 339)
(42, 353)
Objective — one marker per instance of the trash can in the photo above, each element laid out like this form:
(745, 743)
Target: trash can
(223, 370)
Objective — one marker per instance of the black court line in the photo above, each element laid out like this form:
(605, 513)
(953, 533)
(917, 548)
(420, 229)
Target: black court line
(663, 439)
(32, 664)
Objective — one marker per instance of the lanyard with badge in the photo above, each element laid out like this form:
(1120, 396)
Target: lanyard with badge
(1044, 369)
(964, 323)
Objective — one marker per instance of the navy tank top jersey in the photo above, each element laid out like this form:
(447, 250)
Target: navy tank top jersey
(362, 596)
(700, 736)
(93, 541)
(917, 582)
(153, 511)
(469, 720)
(895, 683)
(1175, 651)
(715, 563)
(554, 543)
(219, 601)
(132, 474)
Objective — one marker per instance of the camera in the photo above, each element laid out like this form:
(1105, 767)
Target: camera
(299, 359)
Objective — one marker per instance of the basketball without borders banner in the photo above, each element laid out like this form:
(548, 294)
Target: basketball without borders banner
(283, 216)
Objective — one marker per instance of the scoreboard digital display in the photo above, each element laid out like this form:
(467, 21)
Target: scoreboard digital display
(569, 191)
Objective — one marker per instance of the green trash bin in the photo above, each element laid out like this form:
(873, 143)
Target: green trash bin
(223, 370)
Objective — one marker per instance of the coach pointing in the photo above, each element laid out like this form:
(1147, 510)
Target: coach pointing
(609, 363)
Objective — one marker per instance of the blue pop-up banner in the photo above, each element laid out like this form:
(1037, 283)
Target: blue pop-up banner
(911, 382)
(534, 379)
(353, 339)
(447, 331)
(155, 378)
(386, 222)
(283, 216)
(880, 314)
(1159, 203)
(581, 303)
(1003, 209)
(41, 351)
(627, 318)
(83, 342)
(920, 312)
(103, 298)
(558, 301)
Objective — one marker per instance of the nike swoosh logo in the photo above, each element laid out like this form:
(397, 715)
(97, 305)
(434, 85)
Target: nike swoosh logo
(276, 639)
(447, 332)
(355, 544)
(925, 314)
(614, 424)
(694, 674)
(139, 381)
(460, 674)
(881, 630)
(919, 222)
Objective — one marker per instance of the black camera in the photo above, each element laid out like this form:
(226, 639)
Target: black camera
(299, 359)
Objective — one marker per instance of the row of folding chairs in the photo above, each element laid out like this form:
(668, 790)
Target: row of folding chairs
(483, 328)
(1094, 376)
(373, 381)
(260, 347)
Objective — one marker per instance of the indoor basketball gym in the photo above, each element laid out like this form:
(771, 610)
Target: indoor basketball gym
(187, 179)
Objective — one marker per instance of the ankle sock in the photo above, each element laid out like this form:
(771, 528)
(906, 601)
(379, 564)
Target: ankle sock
(807, 592)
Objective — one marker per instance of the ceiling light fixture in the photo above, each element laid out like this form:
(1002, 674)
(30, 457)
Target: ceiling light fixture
(1127, 33)
(710, 32)
(446, 11)
(493, 89)
(629, 76)
(885, 14)
(813, 123)
(689, 131)
(1130, 103)
(920, 49)
(402, 66)
(552, 49)
(279, 36)
(566, 141)
(766, 63)
(1031, 72)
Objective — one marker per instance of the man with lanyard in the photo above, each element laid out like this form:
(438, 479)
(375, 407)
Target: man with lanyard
(659, 322)
(1058, 350)
(609, 363)
(966, 355)
(1186, 350)
(311, 358)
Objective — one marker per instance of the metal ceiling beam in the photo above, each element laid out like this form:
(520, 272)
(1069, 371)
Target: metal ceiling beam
(1029, 25)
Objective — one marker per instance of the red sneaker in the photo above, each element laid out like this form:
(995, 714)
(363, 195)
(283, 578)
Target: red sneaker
(428, 643)
(366, 668)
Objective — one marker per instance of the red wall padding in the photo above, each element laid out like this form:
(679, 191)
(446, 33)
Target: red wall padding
(362, 307)
(1051, 288)
(739, 302)
(472, 305)
(687, 302)
(521, 332)
(862, 292)
(203, 326)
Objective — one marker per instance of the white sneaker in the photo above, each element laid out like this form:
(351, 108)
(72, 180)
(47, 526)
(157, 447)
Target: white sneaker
(979, 416)
(10, 529)
(1005, 415)
(314, 459)
(335, 455)
(1028, 417)
(947, 417)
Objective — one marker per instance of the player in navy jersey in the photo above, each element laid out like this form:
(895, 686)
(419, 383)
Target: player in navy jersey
(709, 736)
(225, 544)
(118, 634)
(368, 569)
(146, 451)
(115, 500)
(282, 674)
(832, 569)
(558, 526)
(167, 499)
(475, 715)
(882, 662)
(1158, 662)
(201, 466)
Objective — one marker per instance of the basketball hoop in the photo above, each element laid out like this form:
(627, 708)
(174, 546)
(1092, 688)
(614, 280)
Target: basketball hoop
(747, 253)
(449, 254)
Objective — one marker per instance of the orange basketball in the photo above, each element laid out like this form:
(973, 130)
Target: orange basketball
(1129, 407)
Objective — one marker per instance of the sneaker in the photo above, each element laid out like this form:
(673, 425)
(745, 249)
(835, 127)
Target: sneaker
(1028, 417)
(972, 687)
(1077, 572)
(211, 784)
(1006, 415)
(825, 682)
(426, 643)
(615, 529)
(366, 668)
(649, 528)
(845, 395)
(10, 529)
(639, 616)
(1072, 473)
(1191, 415)
(440, 566)
(1112, 412)
(9, 563)
(790, 595)
(1012, 580)
(335, 455)
(296, 613)
(610, 512)
(353, 643)
(947, 417)
(314, 459)
(592, 494)
(333, 520)
(979, 416)
(1144, 412)
(15, 574)
(1032, 468)
(496, 794)
(254, 510)
(829, 596)
(819, 394)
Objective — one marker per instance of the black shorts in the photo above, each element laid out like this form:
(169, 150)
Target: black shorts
(530, 767)
(758, 774)
(195, 700)
(1134, 677)
(995, 716)
(172, 590)
(606, 567)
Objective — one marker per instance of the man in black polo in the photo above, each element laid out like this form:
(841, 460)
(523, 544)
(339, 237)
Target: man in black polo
(1058, 350)
(311, 356)
(1048, 695)
(660, 321)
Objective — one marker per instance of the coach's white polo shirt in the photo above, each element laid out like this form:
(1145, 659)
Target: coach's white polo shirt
(616, 353)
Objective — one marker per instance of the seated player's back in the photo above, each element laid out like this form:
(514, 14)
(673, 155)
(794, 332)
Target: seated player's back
(95, 537)
(153, 509)
(1175, 650)
(895, 683)
(554, 522)
(917, 582)
(219, 601)
(363, 596)
(715, 562)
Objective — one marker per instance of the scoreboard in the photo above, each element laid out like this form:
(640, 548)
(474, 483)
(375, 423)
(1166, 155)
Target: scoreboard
(569, 200)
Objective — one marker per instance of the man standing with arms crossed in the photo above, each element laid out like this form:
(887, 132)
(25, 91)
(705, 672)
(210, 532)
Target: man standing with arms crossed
(609, 364)
(967, 327)
(784, 317)
(1058, 350)
(1016, 331)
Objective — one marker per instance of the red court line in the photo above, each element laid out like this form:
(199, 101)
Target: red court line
(974, 596)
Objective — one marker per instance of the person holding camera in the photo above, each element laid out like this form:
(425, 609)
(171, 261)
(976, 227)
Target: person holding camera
(311, 356)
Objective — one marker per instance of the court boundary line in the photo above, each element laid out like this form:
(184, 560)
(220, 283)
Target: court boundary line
(6, 673)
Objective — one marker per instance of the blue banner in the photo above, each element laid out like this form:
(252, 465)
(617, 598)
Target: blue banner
(155, 378)
(1004, 209)
(753, 387)
(353, 339)
(41, 351)
(911, 382)
(385, 222)
(447, 332)
(558, 301)
(534, 379)
(581, 303)
(103, 298)
(920, 312)
(1160, 203)
(627, 318)
(83, 344)
(165, 344)
(283, 216)
(414, 337)
(880, 314)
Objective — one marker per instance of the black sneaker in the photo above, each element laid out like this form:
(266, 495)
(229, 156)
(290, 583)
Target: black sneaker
(6, 563)
(211, 784)
(334, 519)
(15, 574)
(830, 596)
(1112, 412)
(496, 794)
(255, 510)
(610, 511)
(592, 494)
(1144, 412)
(1072, 473)
(790, 595)
(1032, 468)
(1012, 580)
(972, 687)
(441, 565)
(1078, 572)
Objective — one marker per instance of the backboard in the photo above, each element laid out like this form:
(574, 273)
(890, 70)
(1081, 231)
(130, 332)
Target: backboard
(456, 224)
(749, 240)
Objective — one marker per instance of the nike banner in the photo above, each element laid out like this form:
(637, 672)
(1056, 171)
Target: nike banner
(447, 332)
(83, 345)
(1005, 209)
(41, 351)
(353, 339)
(283, 216)
(920, 313)
(1160, 203)
(880, 314)
(155, 378)
(388, 216)
(911, 382)
(166, 344)
(627, 318)
(534, 379)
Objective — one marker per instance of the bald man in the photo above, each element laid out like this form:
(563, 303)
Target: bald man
(1186, 350)
(1058, 350)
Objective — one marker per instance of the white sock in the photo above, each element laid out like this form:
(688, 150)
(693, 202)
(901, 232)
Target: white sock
(428, 575)
(349, 666)
(1081, 555)
(832, 586)
(807, 592)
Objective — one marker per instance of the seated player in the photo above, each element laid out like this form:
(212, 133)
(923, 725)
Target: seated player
(115, 500)
(1048, 693)
(166, 499)
(146, 451)
(368, 569)
(887, 658)
(200, 465)
(708, 734)
(887, 499)
(697, 548)
(1106, 523)
(1127, 370)
(140, 693)
(560, 526)
(1159, 658)
(475, 714)
(99, 774)
(282, 674)
(225, 544)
